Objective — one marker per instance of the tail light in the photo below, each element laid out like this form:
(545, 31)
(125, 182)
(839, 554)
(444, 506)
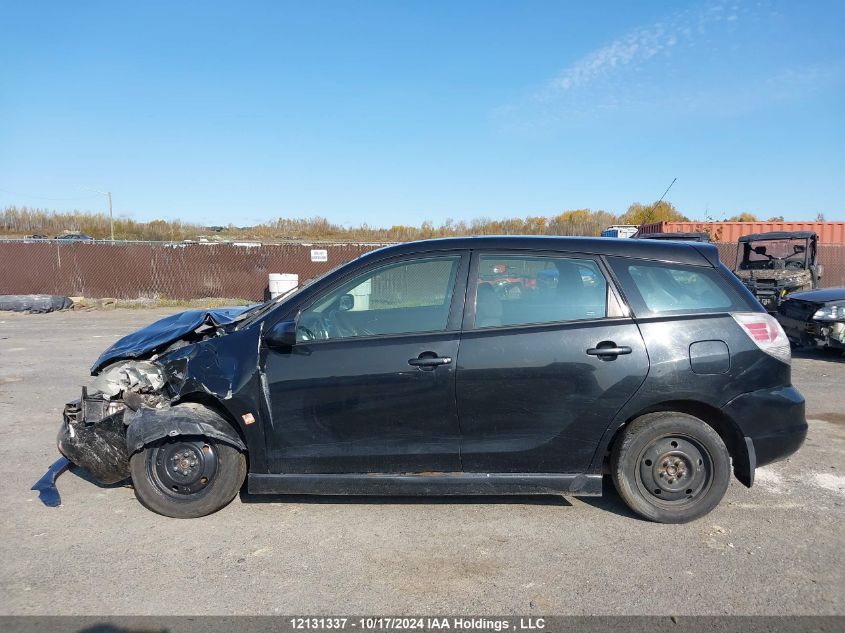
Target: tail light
(766, 332)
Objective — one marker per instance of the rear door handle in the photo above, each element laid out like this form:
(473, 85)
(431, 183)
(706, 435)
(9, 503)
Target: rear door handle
(430, 361)
(610, 350)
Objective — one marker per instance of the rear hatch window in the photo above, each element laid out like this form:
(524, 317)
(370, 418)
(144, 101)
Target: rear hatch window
(657, 288)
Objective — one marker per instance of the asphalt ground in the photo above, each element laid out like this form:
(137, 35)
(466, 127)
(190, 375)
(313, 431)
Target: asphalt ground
(778, 548)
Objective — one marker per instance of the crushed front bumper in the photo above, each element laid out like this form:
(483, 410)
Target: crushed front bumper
(813, 333)
(93, 437)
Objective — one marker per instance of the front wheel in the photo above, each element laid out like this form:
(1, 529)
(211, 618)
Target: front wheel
(670, 467)
(187, 477)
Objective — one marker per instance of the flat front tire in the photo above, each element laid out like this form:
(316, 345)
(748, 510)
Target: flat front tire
(670, 467)
(187, 477)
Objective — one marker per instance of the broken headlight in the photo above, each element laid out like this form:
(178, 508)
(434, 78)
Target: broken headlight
(831, 312)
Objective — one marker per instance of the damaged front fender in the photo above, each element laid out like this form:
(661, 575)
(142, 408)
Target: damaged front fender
(146, 425)
(103, 446)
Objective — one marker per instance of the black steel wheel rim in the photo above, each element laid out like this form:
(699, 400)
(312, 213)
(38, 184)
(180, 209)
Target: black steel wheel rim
(183, 468)
(674, 470)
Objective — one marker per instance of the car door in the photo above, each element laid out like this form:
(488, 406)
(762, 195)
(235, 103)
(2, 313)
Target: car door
(548, 356)
(369, 386)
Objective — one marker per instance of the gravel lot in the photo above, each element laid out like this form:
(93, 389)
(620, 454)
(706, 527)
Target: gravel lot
(778, 548)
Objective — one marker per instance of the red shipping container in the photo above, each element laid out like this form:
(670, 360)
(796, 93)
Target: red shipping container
(828, 232)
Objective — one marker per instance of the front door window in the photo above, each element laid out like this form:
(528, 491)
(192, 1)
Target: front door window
(402, 298)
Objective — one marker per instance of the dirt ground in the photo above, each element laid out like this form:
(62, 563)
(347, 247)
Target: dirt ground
(778, 548)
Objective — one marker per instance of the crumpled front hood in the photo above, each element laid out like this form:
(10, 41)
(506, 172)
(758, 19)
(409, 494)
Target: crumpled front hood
(822, 295)
(163, 332)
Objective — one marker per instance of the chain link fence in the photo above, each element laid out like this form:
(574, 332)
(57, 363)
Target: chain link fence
(179, 271)
(162, 270)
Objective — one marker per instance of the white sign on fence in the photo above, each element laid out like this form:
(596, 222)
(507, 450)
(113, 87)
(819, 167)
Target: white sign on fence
(319, 255)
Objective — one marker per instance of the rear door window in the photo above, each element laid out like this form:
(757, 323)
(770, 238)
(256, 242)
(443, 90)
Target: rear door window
(663, 288)
(525, 289)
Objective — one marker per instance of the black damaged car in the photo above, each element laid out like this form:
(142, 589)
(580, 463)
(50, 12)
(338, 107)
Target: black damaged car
(815, 318)
(405, 372)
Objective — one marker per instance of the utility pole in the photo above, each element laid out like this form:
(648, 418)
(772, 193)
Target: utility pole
(111, 216)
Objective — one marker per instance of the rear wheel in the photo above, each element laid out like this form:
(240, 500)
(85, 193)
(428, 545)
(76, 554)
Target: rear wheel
(670, 467)
(187, 477)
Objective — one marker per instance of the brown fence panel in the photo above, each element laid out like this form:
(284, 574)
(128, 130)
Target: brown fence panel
(727, 253)
(832, 257)
(130, 270)
(172, 271)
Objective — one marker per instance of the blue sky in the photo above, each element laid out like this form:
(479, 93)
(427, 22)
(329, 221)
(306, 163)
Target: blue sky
(399, 112)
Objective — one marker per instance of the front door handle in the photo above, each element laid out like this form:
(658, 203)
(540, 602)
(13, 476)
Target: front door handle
(609, 349)
(430, 361)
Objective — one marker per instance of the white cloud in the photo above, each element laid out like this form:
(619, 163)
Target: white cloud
(636, 47)
(705, 60)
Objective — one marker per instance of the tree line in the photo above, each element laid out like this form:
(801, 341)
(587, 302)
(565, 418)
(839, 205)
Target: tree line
(21, 221)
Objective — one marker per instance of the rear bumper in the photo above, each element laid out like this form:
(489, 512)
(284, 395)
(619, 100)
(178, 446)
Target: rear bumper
(772, 421)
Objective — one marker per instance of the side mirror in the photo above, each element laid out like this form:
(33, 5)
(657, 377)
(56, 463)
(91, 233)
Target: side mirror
(346, 303)
(282, 334)
(760, 250)
(799, 248)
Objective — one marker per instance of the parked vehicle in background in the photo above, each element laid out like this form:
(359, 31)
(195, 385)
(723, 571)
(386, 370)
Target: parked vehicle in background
(36, 237)
(772, 265)
(678, 237)
(75, 237)
(814, 318)
(620, 230)
(405, 372)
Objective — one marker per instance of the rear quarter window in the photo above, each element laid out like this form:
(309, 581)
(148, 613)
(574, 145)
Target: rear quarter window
(656, 288)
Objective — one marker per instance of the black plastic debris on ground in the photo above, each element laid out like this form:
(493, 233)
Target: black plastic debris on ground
(34, 303)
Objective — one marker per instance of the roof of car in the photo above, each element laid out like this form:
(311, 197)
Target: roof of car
(777, 235)
(695, 253)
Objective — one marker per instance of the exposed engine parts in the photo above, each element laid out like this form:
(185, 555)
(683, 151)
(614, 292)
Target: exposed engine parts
(129, 375)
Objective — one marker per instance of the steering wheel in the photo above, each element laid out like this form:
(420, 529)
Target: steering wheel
(795, 265)
(304, 334)
(312, 327)
(340, 326)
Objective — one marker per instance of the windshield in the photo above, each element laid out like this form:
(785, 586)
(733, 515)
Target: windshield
(254, 314)
(766, 254)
